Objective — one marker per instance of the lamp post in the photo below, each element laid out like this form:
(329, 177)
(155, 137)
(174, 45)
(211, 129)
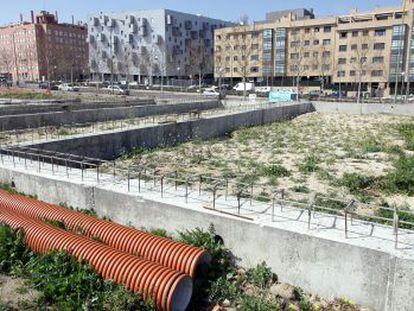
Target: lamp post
(181, 85)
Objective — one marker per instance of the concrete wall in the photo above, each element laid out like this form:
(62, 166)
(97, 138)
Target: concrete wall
(40, 106)
(321, 266)
(99, 114)
(110, 145)
(353, 108)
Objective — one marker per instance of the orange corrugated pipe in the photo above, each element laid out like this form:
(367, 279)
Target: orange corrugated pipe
(168, 289)
(175, 255)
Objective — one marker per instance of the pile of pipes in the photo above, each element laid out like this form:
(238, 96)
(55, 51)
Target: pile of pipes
(159, 269)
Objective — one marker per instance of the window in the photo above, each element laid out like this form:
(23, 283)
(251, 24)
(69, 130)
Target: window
(377, 73)
(254, 69)
(315, 42)
(364, 60)
(365, 33)
(235, 58)
(379, 46)
(307, 42)
(341, 74)
(378, 60)
(254, 57)
(327, 29)
(255, 46)
(353, 60)
(235, 69)
(342, 48)
(343, 35)
(341, 61)
(354, 47)
(355, 34)
(294, 56)
(326, 67)
(306, 54)
(380, 32)
(307, 30)
(315, 54)
(294, 44)
(316, 29)
(326, 54)
(365, 46)
(352, 73)
(327, 42)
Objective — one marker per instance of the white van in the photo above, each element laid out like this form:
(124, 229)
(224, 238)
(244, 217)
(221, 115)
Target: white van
(239, 87)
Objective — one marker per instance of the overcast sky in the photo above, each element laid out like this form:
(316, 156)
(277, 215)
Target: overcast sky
(224, 9)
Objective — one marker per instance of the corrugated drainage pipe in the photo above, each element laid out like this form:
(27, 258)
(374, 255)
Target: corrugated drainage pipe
(175, 255)
(168, 289)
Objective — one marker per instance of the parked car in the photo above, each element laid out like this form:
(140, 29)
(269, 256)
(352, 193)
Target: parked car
(68, 87)
(263, 89)
(117, 90)
(214, 91)
(240, 87)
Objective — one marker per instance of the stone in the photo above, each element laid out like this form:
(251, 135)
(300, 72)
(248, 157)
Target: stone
(284, 291)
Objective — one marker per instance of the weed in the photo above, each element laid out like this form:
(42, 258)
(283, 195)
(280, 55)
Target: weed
(356, 183)
(407, 131)
(261, 275)
(310, 164)
(160, 232)
(401, 179)
(275, 170)
(300, 189)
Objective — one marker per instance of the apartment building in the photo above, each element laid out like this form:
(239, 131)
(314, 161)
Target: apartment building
(373, 49)
(151, 43)
(44, 49)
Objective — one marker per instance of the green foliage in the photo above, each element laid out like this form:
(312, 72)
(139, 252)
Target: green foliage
(407, 131)
(13, 252)
(356, 183)
(257, 303)
(8, 188)
(261, 275)
(64, 283)
(25, 95)
(404, 214)
(310, 164)
(300, 189)
(401, 179)
(372, 146)
(160, 232)
(275, 170)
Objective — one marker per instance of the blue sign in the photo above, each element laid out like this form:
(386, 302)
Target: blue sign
(282, 96)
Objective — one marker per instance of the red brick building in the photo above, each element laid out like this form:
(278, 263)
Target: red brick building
(44, 50)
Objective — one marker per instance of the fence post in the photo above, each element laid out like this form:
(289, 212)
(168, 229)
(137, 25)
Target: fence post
(97, 173)
(227, 188)
(129, 180)
(273, 208)
(114, 169)
(251, 193)
(214, 196)
(282, 194)
(176, 180)
(310, 206)
(238, 203)
(162, 186)
(53, 165)
(82, 169)
(25, 159)
(346, 222)
(139, 181)
(186, 190)
(66, 165)
(199, 184)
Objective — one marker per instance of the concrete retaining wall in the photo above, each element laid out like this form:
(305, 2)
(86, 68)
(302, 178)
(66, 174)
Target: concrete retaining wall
(64, 105)
(110, 145)
(353, 108)
(99, 114)
(321, 266)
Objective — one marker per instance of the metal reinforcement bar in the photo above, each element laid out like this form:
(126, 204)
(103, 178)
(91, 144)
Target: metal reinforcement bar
(215, 188)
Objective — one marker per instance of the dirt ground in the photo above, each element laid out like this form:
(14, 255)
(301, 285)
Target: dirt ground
(16, 295)
(304, 155)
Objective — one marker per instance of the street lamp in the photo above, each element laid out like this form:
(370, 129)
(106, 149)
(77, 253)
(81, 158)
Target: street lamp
(181, 85)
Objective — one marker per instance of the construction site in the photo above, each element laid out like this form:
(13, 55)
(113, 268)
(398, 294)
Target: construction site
(321, 193)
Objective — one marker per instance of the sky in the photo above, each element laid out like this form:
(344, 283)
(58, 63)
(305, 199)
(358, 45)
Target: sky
(230, 10)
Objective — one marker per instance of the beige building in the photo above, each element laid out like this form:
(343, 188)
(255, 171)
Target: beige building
(371, 50)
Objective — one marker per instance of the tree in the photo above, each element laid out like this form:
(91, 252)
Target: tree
(200, 61)
(243, 45)
(298, 56)
(323, 63)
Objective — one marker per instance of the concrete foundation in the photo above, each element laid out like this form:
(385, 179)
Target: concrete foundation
(110, 145)
(361, 268)
(354, 108)
(23, 121)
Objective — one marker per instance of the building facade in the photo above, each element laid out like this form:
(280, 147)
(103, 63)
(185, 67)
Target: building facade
(43, 50)
(151, 43)
(373, 50)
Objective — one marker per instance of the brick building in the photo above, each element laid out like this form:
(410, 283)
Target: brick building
(44, 49)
